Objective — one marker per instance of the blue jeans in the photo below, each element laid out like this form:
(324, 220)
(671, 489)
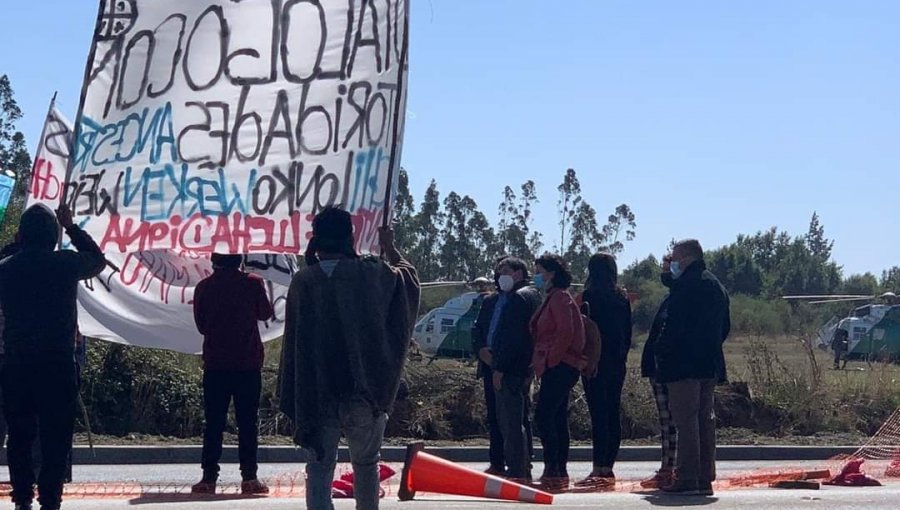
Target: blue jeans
(363, 428)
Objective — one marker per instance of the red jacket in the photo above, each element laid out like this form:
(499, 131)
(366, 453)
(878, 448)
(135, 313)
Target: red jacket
(227, 308)
(558, 333)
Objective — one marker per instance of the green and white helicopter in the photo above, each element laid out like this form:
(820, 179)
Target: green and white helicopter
(873, 330)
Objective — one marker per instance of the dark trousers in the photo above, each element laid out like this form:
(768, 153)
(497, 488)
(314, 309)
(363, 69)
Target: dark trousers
(512, 416)
(2, 412)
(604, 400)
(552, 417)
(496, 452)
(692, 405)
(219, 387)
(36, 393)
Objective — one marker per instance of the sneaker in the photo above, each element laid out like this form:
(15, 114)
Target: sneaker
(254, 487)
(660, 479)
(204, 487)
(682, 488)
(705, 489)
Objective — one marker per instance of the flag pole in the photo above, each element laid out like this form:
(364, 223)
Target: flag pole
(401, 77)
(76, 132)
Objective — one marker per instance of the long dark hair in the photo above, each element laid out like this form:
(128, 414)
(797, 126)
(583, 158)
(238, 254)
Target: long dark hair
(562, 278)
(603, 274)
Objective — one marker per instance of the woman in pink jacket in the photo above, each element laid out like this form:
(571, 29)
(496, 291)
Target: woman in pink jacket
(558, 333)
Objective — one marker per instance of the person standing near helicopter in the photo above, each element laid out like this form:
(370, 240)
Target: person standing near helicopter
(840, 343)
(503, 344)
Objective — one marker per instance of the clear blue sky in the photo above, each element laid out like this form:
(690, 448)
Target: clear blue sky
(708, 118)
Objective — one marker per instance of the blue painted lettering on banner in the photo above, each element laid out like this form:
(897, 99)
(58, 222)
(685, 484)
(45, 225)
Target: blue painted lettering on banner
(137, 134)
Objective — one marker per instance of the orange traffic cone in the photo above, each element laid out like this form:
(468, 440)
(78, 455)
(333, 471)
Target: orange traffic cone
(427, 473)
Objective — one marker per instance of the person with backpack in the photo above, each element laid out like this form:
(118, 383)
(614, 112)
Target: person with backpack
(610, 310)
(559, 338)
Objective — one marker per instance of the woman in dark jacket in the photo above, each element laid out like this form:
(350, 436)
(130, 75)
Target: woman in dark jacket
(611, 311)
(668, 434)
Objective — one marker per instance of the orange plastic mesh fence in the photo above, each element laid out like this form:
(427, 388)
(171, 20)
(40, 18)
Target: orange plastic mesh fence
(881, 453)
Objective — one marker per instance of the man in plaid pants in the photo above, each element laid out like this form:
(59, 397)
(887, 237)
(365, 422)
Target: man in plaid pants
(668, 434)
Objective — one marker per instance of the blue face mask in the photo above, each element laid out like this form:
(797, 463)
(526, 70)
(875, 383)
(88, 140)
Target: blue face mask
(675, 267)
(539, 281)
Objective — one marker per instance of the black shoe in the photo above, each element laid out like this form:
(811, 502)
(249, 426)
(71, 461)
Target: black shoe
(683, 488)
(493, 470)
(705, 489)
(23, 506)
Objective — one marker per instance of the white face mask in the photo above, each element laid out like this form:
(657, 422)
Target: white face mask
(506, 283)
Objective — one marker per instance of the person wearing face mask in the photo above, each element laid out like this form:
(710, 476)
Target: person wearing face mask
(559, 338)
(690, 362)
(668, 433)
(503, 343)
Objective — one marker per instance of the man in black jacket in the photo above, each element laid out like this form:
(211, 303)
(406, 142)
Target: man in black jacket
(504, 346)
(38, 288)
(690, 362)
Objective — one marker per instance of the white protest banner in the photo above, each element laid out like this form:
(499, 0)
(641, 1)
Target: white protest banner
(51, 161)
(145, 299)
(223, 125)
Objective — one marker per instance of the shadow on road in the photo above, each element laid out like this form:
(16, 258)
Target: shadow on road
(660, 498)
(149, 499)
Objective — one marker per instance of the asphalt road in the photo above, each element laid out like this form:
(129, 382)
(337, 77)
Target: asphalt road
(164, 482)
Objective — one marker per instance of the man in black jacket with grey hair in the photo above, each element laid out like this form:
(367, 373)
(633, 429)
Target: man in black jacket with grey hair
(690, 362)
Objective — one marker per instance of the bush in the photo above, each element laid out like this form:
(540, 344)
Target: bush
(130, 390)
(759, 317)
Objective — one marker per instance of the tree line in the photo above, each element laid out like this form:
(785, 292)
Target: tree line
(451, 239)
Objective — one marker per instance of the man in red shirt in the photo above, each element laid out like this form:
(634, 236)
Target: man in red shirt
(227, 309)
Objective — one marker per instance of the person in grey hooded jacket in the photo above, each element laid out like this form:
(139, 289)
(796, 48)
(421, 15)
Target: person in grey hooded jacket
(38, 290)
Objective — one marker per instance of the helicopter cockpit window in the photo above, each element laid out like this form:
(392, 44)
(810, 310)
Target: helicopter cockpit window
(862, 311)
(859, 333)
(446, 325)
(429, 328)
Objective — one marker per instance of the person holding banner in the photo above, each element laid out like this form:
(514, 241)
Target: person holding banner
(38, 288)
(227, 309)
(348, 326)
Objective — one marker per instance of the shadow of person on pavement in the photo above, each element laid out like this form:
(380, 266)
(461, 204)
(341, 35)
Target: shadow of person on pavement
(660, 498)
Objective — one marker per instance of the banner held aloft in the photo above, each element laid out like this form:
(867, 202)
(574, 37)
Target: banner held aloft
(214, 125)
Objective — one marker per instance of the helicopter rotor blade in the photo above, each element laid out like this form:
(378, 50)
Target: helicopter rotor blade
(829, 296)
(844, 300)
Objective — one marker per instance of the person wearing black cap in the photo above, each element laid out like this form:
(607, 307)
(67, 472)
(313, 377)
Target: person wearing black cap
(38, 291)
(347, 332)
(228, 306)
